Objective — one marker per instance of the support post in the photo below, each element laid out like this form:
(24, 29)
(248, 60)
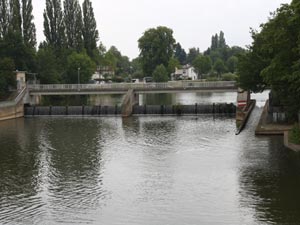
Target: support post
(129, 100)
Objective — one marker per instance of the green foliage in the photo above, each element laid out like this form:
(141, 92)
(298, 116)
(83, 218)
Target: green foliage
(219, 66)
(73, 24)
(115, 60)
(54, 29)
(249, 69)
(218, 41)
(180, 54)
(160, 74)
(7, 77)
(156, 48)
(232, 64)
(28, 28)
(172, 65)
(229, 77)
(273, 58)
(48, 66)
(90, 32)
(4, 18)
(202, 64)
(15, 22)
(212, 78)
(82, 61)
(136, 66)
(192, 55)
(12, 46)
(214, 42)
(294, 135)
(221, 41)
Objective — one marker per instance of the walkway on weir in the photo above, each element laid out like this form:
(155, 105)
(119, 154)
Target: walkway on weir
(122, 88)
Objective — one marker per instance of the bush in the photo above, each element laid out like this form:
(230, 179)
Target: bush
(212, 78)
(229, 77)
(294, 135)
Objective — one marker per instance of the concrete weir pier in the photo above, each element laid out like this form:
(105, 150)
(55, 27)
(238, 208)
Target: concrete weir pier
(130, 99)
(13, 109)
(244, 109)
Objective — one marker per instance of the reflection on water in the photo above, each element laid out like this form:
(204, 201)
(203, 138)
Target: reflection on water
(188, 98)
(145, 170)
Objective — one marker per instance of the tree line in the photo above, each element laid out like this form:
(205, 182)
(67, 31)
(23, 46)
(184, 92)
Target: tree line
(72, 46)
(272, 59)
(160, 54)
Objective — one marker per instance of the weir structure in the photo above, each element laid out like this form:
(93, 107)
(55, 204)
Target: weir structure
(32, 93)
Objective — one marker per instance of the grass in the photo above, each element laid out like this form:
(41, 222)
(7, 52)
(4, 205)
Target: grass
(294, 135)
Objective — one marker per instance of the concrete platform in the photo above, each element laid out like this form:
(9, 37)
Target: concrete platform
(265, 128)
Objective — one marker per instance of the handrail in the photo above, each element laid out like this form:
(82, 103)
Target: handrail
(135, 86)
(20, 95)
(16, 100)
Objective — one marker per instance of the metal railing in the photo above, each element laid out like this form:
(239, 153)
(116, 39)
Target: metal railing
(127, 86)
(16, 101)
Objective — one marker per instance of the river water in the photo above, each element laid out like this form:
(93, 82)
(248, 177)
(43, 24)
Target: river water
(146, 170)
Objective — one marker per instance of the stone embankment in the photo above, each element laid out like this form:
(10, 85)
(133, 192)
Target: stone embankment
(266, 128)
(13, 109)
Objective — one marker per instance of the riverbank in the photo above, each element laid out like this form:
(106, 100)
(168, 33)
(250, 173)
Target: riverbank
(290, 145)
(265, 128)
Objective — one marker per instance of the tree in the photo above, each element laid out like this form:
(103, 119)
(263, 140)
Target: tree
(82, 62)
(214, 42)
(219, 66)
(47, 66)
(180, 54)
(160, 74)
(202, 65)
(172, 65)
(249, 69)
(156, 48)
(4, 18)
(12, 47)
(73, 24)
(221, 41)
(192, 55)
(54, 30)
(275, 52)
(232, 63)
(90, 32)
(15, 19)
(7, 77)
(29, 31)
(137, 71)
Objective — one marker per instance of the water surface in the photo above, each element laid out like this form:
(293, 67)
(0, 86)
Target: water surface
(145, 170)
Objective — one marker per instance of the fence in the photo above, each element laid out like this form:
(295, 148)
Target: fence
(134, 86)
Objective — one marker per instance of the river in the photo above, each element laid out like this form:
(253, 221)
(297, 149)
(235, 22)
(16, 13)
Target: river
(146, 170)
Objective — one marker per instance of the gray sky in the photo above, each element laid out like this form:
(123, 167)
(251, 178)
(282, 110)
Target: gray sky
(123, 22)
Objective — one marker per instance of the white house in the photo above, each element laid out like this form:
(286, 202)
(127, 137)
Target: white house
(102, 73)
(187, 72)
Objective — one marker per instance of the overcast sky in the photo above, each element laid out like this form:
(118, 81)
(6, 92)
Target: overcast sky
(122, 22)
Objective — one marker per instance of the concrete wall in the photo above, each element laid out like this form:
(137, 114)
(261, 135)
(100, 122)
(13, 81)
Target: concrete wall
(11, 111)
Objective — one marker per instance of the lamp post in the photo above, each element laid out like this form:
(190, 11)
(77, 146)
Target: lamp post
(78, 70)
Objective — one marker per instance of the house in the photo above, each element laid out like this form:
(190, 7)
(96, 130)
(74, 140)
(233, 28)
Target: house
(103, 73)
(187, 72)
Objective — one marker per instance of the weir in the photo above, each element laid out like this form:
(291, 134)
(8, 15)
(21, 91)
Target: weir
(197, 109)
